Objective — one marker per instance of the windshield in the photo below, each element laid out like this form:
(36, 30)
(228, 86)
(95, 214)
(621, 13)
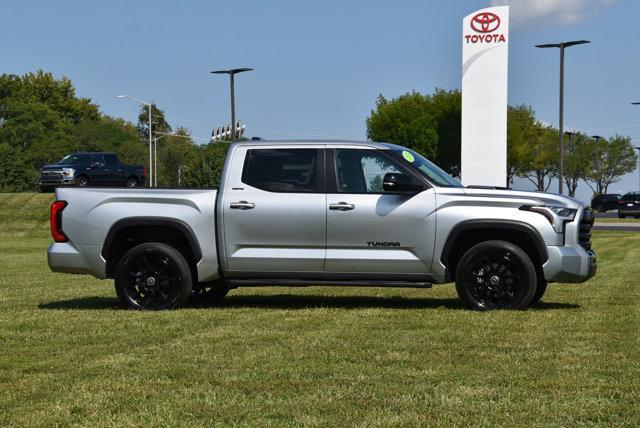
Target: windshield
(427, 168)
(75, 159)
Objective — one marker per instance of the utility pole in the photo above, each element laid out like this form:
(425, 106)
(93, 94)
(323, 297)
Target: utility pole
(562, 46)
(151, 168)
(232, 72)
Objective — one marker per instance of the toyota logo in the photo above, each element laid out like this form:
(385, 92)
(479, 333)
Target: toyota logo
(485, 22)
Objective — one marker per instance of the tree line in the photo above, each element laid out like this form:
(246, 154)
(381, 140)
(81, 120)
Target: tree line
(42, 119)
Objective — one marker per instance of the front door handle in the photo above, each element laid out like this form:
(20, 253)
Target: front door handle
(242, 205)
(341, 206)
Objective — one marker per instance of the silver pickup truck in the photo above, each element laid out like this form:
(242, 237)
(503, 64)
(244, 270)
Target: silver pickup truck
(323, 213)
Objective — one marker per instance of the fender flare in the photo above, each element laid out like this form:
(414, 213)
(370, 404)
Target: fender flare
(152, 221)
(480, 224)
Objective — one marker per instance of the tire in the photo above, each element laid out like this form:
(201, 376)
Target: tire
(153, 276)
(83, 181)
(601, 208)
(132, 182)
(622, 216)
(541, 288)
(210, 292)
(46, 189)
(636, 216)
(496, 275)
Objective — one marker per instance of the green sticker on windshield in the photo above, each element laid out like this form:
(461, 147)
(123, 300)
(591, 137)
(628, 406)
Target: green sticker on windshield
(408, 156)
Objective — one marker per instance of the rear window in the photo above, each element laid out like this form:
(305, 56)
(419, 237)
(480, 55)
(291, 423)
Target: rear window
(281, 170)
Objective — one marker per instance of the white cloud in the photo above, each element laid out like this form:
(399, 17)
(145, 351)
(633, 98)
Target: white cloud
(553, 12)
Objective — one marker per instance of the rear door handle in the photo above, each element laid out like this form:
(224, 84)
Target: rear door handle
(341, 206)
(242, 205)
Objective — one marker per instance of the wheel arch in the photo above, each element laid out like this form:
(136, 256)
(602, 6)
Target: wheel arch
(131, 231)
(470, 232)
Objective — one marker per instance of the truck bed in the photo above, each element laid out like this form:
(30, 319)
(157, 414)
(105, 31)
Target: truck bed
(92, 212)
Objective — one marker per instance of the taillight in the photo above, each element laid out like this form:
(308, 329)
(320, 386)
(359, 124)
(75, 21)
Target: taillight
(56, 221)
(145, 172)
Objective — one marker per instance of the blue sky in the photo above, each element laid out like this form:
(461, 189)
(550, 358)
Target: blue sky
(319, 66)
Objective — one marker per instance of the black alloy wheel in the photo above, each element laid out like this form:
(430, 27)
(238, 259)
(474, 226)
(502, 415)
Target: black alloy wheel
(132, 182)
(153, 276)
(496, 275)
(83, 181)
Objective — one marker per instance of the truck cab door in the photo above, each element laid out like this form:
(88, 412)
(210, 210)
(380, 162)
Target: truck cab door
(113, 170)
(274, 210)
(372, 232)
(97, 174)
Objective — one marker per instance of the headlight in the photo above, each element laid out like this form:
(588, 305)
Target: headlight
(557, 216)
(68, 172)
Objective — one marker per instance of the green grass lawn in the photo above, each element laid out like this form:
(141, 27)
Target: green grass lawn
(311, 356)
(617, 220)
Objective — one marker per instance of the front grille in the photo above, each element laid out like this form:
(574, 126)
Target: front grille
(584, 230)
(51, 175)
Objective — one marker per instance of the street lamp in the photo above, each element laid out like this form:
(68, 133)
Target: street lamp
(562, 46)
(151, 168)
(232, 72)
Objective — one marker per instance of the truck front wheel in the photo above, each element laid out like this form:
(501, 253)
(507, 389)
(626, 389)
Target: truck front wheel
(496, 275)
(153, 276)
(83, 181)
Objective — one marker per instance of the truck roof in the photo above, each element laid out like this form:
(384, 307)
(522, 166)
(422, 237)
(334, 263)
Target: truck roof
(369, 144)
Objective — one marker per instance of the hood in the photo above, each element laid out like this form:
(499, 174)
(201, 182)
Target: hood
(53, 166)
(533, 198)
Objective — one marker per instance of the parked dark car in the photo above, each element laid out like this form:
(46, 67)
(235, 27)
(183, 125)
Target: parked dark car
(602, 203)
(629, 205)
(91, 169)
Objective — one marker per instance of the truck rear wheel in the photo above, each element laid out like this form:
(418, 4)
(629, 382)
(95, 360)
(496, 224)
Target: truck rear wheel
(153, 276)
(496, 275)
(132, 182)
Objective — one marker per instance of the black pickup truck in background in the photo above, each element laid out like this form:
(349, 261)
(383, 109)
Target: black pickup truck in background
(91, 169)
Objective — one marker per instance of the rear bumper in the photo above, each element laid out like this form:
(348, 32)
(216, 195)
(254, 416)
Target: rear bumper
(69, 258)
(569, 264)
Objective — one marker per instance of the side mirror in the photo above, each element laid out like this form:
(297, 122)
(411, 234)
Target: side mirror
(398, 182)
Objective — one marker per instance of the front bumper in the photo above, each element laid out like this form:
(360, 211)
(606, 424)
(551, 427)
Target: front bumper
(569, 264)
(43, 181)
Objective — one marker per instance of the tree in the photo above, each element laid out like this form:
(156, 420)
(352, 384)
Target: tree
(522, 132)
(408, 120)
(158, 123)
(205, 169)
(540, 158)
(577, 157)
(174, 152)
(610, 160)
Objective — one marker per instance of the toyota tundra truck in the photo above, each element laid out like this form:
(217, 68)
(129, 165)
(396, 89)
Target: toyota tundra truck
(334, 213)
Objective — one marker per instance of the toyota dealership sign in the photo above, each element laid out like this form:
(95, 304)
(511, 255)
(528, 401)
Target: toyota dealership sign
(485, 54)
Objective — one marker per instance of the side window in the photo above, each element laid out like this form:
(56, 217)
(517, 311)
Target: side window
(96, 158)
(111, 160)
(281, 170)
(362, 171)
(81, 159)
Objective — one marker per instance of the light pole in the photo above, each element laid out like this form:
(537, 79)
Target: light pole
(232, 72)
(638, 149)
(151, 168)
(562, 46)
(570, 135)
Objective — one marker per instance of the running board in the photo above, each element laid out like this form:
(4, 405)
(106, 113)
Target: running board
(322, 282)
